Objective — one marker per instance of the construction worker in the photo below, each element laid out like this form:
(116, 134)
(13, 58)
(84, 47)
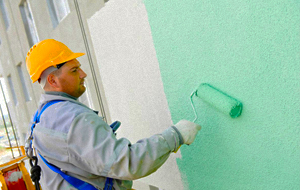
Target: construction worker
(73, 138)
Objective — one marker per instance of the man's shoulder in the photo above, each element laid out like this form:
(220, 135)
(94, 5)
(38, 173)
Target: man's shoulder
(73, 108)
(61, 115)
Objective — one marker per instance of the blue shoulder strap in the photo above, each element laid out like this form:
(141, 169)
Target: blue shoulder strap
(77, 183)
(36, 118)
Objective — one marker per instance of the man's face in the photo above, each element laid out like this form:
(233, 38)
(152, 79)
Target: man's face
(71, 79)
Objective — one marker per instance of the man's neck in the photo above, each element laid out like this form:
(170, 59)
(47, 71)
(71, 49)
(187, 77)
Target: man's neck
(60, 94)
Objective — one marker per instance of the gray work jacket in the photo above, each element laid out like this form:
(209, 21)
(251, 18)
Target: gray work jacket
(74, 138)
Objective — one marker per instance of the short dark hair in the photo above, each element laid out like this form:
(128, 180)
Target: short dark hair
(60, 65)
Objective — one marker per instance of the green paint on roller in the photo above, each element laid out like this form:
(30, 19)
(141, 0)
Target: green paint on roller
(220, 100)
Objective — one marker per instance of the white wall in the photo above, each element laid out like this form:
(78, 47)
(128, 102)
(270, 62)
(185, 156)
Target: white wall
(131, 78)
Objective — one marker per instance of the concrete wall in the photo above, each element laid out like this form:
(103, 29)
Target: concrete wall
(131, 78)
(250, 50)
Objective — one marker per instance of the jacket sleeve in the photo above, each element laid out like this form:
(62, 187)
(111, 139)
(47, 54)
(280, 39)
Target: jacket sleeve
(93, 147)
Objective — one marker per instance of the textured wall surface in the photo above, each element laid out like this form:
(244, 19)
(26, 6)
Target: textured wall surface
(131, 78)
(250, 50)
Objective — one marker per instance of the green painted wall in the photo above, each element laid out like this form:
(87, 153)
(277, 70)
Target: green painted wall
(250, 50)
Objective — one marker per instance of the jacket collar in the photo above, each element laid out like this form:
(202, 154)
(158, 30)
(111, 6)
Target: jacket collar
(49, 96)
(60, 94)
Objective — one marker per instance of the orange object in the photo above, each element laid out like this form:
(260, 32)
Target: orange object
(14, 175)
(45, 54)
(14, 180)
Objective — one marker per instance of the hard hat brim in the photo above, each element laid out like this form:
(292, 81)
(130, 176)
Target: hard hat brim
(71, 57)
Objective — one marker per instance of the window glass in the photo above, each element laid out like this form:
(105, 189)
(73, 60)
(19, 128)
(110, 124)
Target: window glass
(28, 23)
(4, 13)
(12, 89)
(58, 10)
(24, 86)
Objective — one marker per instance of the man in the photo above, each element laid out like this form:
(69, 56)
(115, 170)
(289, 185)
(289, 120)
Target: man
(75, 139)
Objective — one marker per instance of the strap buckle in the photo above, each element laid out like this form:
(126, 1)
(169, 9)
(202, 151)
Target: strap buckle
(28, 148)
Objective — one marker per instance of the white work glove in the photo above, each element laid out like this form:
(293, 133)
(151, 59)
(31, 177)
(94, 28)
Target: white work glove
(188, 130)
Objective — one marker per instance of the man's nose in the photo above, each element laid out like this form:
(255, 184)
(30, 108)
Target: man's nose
(82, 73)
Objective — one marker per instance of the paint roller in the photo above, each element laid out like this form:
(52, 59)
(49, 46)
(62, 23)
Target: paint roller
(217, 99)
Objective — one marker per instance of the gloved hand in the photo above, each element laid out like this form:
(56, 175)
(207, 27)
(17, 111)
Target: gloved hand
(188, 130)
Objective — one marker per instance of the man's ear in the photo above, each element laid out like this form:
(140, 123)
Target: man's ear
(52, 80)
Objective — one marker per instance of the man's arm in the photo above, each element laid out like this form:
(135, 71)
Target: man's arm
(93, 147)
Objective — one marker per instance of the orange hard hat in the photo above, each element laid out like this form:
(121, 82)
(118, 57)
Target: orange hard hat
(45, 54)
